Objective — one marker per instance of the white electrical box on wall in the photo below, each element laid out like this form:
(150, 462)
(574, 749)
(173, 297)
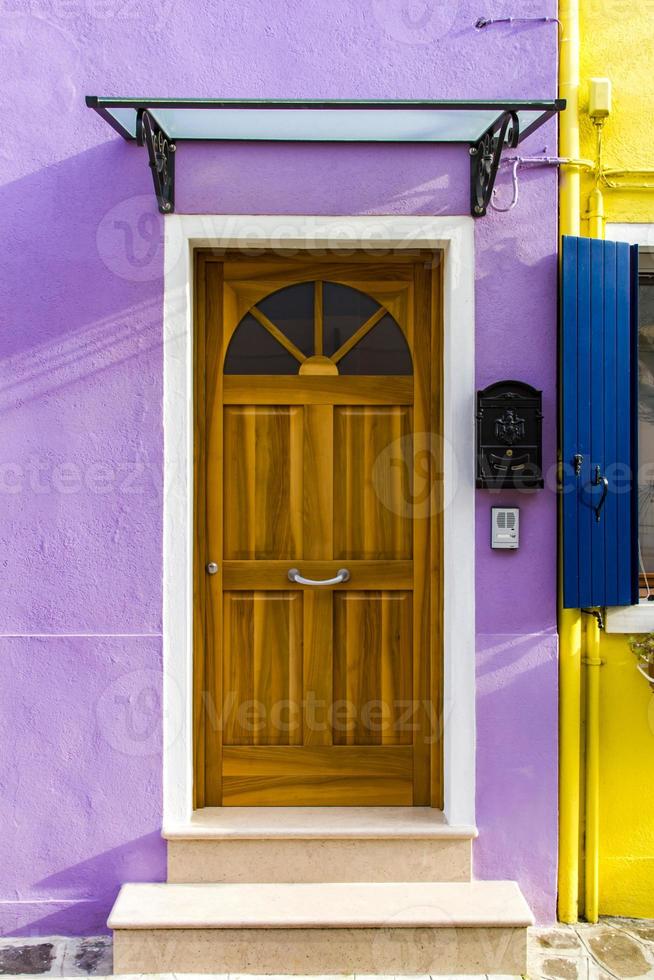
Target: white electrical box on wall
(505, 527)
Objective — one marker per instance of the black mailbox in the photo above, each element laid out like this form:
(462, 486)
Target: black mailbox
(509, 436)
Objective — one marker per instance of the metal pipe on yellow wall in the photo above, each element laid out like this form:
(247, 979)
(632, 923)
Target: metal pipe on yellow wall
(591, 875)
(595, 214)
(620, 180)
(569, 619)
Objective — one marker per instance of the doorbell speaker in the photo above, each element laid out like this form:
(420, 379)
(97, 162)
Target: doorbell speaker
(505, 527)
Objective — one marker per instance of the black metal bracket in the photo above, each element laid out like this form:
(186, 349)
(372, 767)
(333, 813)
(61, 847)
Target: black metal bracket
(485, 156)
(161, 153)
(597, 613)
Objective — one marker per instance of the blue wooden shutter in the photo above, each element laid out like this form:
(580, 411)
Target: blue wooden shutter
(599, 343)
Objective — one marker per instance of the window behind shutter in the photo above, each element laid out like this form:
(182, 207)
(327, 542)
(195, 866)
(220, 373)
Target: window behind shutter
(599, 423)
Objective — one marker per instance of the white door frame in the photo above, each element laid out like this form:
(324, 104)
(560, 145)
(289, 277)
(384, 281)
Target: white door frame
(455, 237)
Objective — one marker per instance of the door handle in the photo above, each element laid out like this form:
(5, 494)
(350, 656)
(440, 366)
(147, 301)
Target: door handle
(342, 575)
(600, 481)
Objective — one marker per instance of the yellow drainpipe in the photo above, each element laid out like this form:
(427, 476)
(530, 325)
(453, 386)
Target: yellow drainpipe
(569, 619)
(592, 660)
(591, 864)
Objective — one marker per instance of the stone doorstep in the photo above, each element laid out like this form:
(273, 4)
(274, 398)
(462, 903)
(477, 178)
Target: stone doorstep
(312, 844)
(294, 952)
(318, 823)
(284, 859)
(355, 905)
(382, 928)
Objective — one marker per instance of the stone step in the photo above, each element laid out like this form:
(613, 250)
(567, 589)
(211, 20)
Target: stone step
(327, 928)
(312, 844)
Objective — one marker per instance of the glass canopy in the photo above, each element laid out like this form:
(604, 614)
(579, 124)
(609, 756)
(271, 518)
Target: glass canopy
(381, 121)
(486, 127)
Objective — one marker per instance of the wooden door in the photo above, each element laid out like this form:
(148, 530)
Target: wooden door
(318, 458)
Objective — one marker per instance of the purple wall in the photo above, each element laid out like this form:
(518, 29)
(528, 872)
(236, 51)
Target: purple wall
(81, 392)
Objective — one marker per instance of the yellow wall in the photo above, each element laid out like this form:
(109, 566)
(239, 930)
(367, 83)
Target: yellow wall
(626, 867)
(616, 42)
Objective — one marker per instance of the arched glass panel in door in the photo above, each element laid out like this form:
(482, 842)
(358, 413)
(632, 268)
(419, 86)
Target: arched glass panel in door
(318, 328)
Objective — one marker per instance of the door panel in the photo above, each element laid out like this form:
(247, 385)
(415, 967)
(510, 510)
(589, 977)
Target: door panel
(319, 695)
(335, 776)
(262, 481)
(372, 668)
(373, 485)
(262, 664)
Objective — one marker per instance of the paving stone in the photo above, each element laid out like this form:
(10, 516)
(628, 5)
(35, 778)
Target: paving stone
(643, 932)
(561, 968)
(560, 938)
(30, 958)
(93, 956)
(618, 953)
